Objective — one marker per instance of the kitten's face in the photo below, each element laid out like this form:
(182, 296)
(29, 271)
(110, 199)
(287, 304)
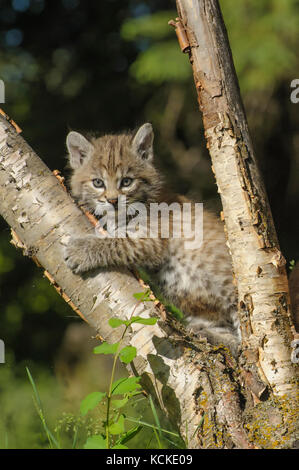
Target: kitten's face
(113, 166)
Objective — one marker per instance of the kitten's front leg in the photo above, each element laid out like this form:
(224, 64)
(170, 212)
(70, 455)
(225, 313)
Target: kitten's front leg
(90, 252)
(80, 253)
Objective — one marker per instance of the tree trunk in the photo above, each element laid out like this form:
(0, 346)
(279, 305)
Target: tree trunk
(43, 217)
(213, 402)
(258, 264)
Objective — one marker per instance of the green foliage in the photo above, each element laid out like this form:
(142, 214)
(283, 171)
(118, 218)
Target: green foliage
(118, 427)
(127, 354)
(39, 408)
(160, 59)
(175, 311)
(120, 403)
(116, 322)
(106, 348)
(20, 425)
(6, 263)
(142, 296)
(91, 401)
(132, 74)
(95, 442)
(125, 385)
(160, 63)
(153, 26)
(262, 34)
(115, 433)
(144, 321)
(130, 434)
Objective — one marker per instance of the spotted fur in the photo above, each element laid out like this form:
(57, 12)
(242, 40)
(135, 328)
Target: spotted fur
(199, 281)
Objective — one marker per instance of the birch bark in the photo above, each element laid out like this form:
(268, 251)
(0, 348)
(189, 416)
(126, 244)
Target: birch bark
(43, 217)
(214, 402)
(258, 264)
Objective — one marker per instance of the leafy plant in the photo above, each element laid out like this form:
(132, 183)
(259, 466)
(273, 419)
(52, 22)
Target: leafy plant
(39, 408)
(120, 391)
(264, 55)
(115, 434)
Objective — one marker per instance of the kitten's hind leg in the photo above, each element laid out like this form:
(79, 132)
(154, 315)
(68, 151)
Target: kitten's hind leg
(216, 335)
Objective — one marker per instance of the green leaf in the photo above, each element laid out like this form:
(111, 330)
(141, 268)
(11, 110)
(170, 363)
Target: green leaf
(118, 427)
(127, 354)
(138, 295)
(130, 434)
(95, 442)
(144, 321)
(91, 401)
(142, 296)
(116, 322)
(125, 385)
(132, 394)
(119, 446)
(106, 348)
(120, 403)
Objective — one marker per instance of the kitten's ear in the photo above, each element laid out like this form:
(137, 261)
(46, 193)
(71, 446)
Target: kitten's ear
(79, 148)
(143, 142)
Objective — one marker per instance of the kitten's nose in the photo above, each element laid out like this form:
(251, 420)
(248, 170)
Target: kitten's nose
(113, 201)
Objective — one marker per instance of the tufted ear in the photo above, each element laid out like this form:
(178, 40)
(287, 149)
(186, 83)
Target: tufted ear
(143, 142)
(79, 148)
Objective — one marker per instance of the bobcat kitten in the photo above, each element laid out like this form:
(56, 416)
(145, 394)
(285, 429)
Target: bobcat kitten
(199, 280)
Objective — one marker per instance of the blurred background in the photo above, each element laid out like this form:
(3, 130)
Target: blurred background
(109, 66)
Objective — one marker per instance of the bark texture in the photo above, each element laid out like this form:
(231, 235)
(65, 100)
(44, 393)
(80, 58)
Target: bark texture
(173, 368)
(215, 402)
(258, 264)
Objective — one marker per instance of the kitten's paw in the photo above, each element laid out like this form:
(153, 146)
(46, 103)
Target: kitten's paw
(76, 255)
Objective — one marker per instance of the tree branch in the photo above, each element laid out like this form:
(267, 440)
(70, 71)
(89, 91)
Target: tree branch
(214, 403)
(43, 217)
(258, 264)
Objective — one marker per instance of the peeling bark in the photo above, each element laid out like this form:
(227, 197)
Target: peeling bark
(199, 387)
(258, 264)
(43, 216)
(214, 402)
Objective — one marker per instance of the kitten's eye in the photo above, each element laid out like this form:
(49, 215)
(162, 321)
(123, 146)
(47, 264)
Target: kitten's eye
(98, 183)
(125, 182)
